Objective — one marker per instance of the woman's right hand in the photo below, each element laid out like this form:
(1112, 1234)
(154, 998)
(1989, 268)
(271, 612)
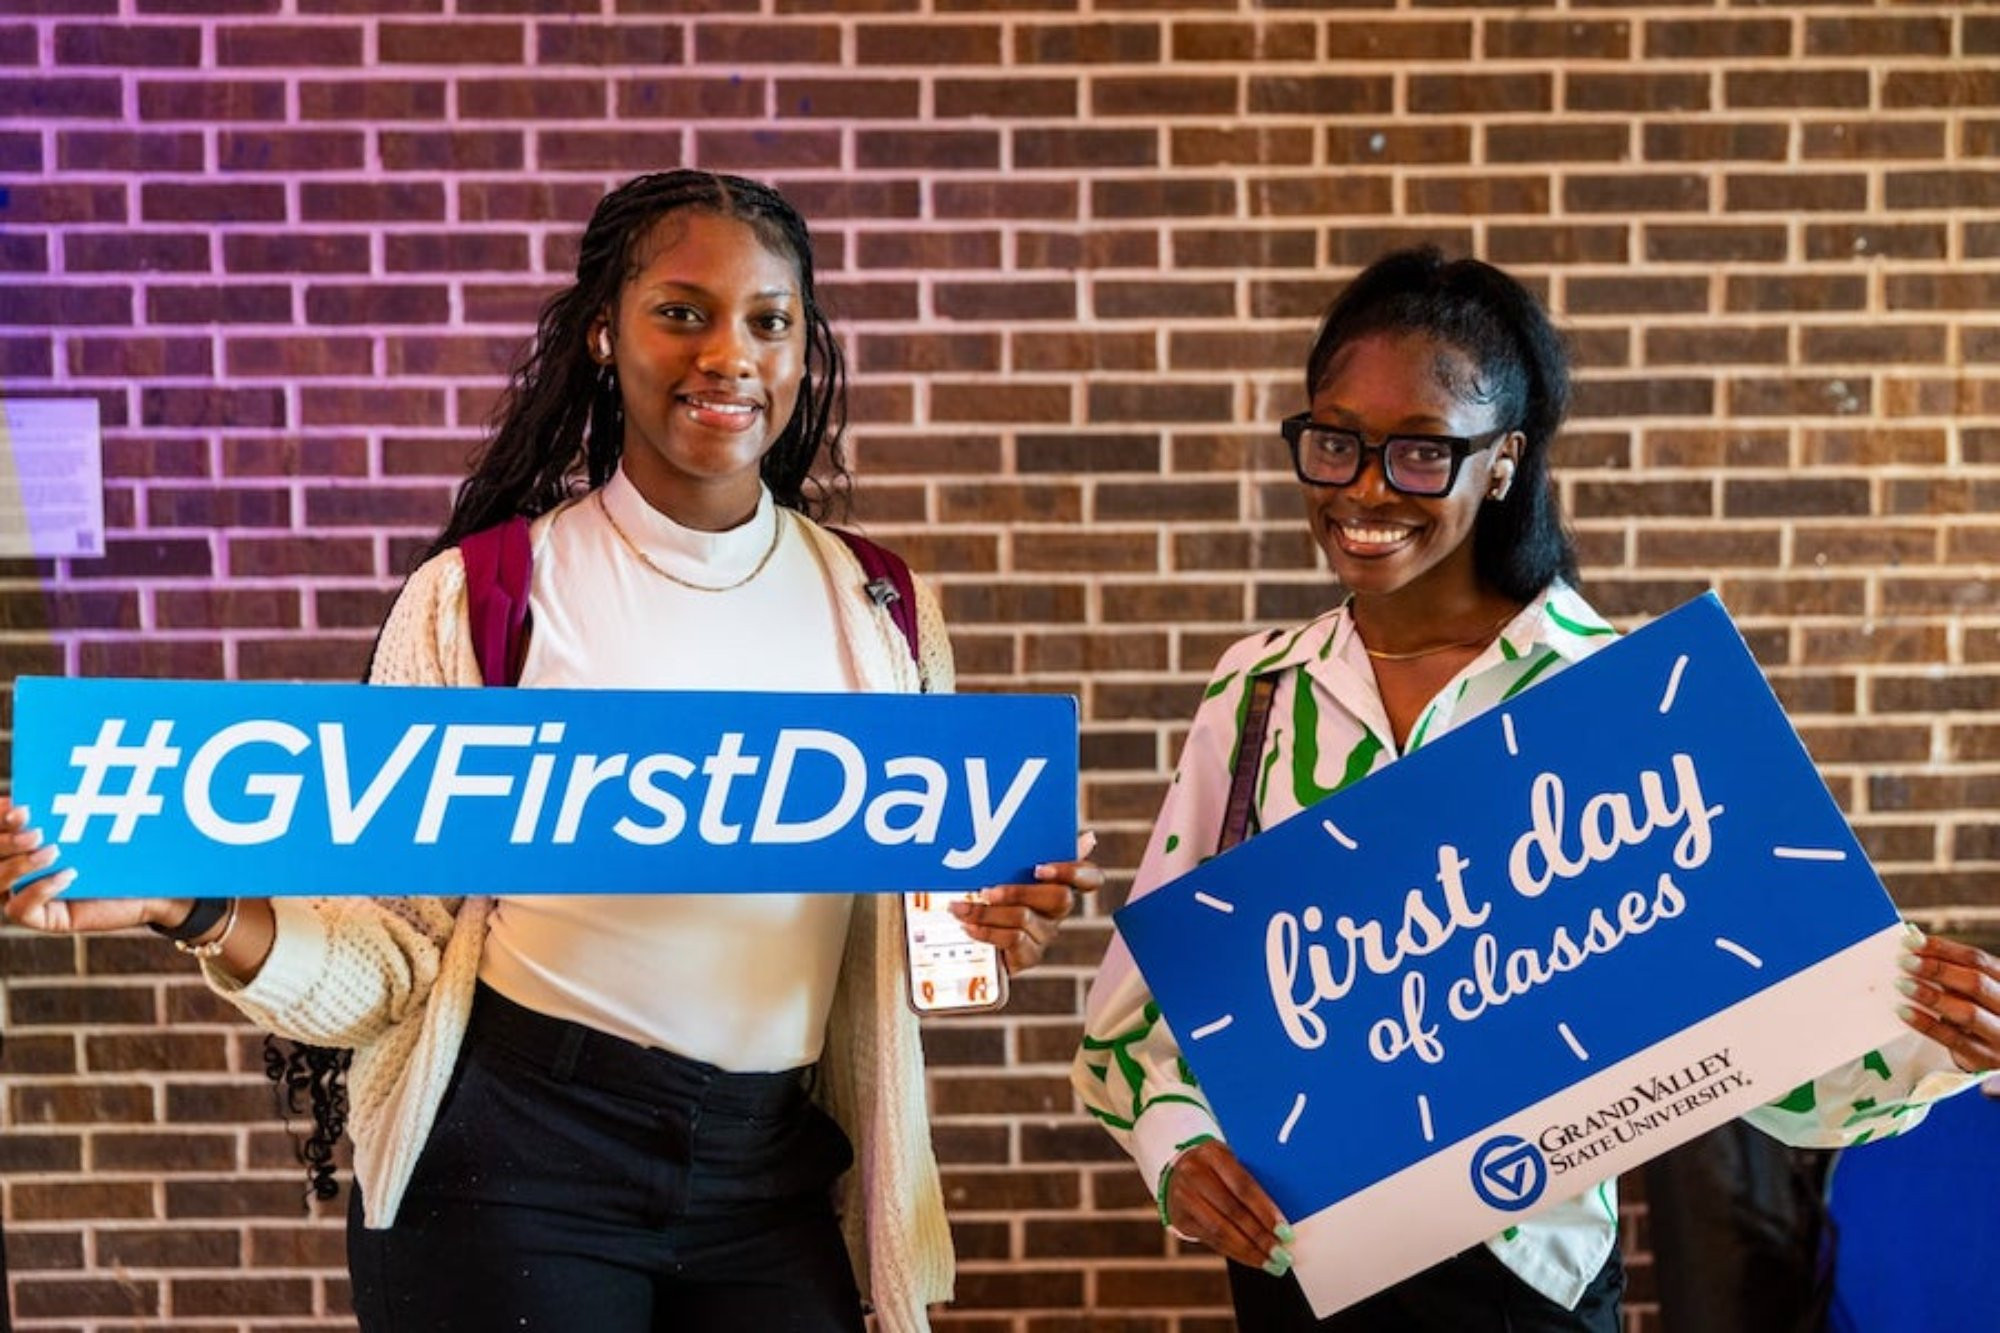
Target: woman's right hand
(1211, 1198)
(38, 906)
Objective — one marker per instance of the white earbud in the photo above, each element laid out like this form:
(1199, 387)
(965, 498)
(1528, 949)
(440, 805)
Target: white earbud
(1503, 478)
(603, 344)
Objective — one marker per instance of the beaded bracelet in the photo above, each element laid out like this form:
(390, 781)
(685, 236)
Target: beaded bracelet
(198, 922)
(214, 946)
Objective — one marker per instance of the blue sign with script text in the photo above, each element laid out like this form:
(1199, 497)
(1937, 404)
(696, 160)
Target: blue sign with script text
(1593, 866)
(186, 788)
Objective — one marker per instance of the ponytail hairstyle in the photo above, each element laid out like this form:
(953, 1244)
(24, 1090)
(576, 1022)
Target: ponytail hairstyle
(559, 431)
(1519, 365)
(560, 427)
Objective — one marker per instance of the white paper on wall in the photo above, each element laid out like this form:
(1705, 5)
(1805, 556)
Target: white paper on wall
(51, 478)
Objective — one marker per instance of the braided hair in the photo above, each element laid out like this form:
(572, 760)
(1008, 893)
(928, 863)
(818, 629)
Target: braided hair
(1519, 364)
(559, 430)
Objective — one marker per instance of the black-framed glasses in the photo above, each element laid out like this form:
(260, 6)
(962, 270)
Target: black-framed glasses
(1423, 465)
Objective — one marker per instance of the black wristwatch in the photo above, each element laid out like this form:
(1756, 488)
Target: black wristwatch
(207, 912)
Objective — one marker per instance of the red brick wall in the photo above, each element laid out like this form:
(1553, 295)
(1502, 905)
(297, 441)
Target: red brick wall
(1075, 248)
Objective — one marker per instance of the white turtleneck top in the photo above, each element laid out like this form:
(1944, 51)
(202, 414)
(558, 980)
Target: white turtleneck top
(742, 981)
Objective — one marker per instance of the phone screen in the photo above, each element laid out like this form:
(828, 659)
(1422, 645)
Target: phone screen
(949, 970)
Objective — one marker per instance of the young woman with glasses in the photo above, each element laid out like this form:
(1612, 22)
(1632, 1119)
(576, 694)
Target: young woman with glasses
(1436, 389)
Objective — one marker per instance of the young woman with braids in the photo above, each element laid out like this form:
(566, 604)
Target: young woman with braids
(631, 1112)
(1436, 389)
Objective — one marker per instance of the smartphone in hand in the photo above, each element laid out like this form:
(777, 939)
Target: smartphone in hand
(950, 972)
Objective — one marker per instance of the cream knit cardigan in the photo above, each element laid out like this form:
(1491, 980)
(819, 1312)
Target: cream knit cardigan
(393, 978)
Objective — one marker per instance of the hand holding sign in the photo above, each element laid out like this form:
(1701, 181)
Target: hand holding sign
(1212, 1199)
(1958, 988)
(242, 937)
(24, 851)
(1022, 920)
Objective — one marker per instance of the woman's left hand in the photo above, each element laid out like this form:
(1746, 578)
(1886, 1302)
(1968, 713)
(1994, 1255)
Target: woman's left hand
(1021, 920)
(1954, 994)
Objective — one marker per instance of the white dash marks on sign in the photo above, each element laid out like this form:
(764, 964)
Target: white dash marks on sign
(1575, 1046)
(1208, 900)
(1507, 729)
(1673, 683)
(1210, 1029)
(1298, 1109)
(1333, 831)
(1732, 947)
(1809, 853)
(1424, 1118)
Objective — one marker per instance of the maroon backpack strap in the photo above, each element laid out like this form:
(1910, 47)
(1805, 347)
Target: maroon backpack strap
(889, 585)
(497, 571)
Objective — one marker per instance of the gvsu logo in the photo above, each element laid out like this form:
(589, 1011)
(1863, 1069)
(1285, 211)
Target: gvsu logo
(1509, 1173)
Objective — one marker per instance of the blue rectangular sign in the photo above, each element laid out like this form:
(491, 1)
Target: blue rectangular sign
(1589, 869)
(187, 788)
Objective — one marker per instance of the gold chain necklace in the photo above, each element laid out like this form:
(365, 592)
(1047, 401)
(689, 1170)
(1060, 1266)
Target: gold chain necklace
(777, 534)
(1415, 653)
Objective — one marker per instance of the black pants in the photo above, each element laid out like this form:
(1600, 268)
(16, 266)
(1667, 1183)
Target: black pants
(576, 1181)
(1472, 1292)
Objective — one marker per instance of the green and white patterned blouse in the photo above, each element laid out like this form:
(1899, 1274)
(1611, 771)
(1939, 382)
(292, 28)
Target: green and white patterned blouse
(1328, 728)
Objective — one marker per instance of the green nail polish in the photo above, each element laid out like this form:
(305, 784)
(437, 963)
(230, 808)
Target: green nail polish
(1909, 962)
(1904, 1012)
(1906, 986)
(1279, 1264)
(1285, 1233)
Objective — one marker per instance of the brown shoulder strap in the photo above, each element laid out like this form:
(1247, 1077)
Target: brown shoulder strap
(1238, 813)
